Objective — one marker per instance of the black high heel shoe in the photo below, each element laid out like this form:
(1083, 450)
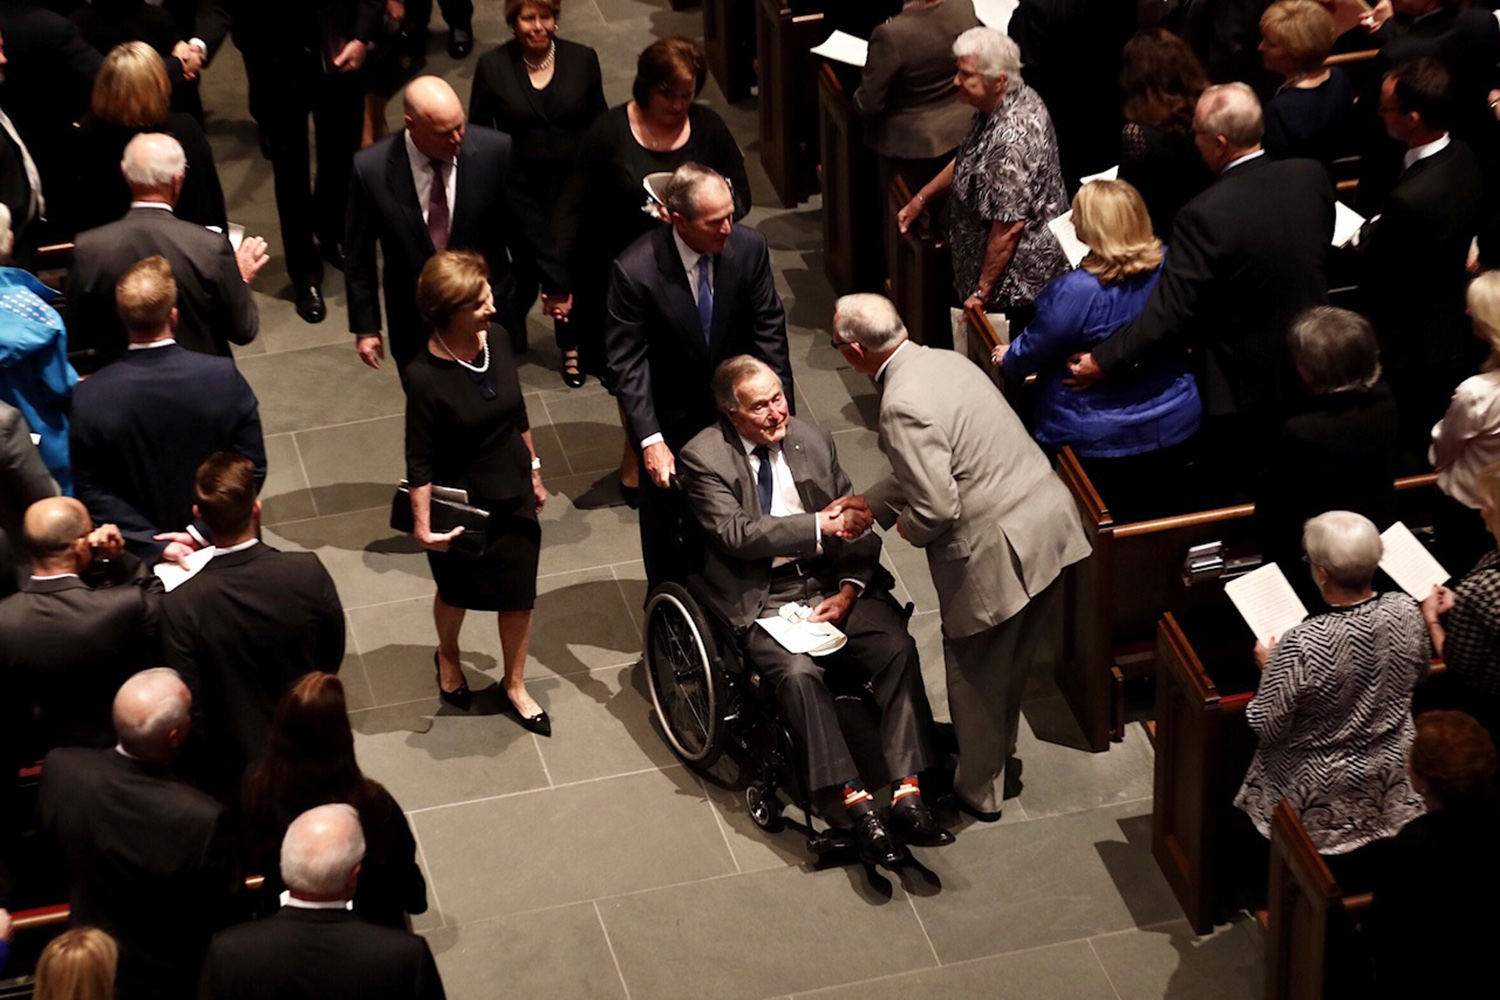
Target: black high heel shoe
(572, 375)
(539, 724)
(458, 699)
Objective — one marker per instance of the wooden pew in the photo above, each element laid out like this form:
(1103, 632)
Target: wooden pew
(919, 272)
(788, 115)
(729, 45)
(852, 257)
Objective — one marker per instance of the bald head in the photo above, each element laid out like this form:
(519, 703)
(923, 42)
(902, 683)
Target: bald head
(321, 852)
(153, 166)
(151, 714)
(434, 117)
(52, 529)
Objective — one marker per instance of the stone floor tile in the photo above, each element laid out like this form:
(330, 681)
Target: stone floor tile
(354, 466)
(285, 495)
(561, 953)
(602, 726)
(1062, 779)
(1065, 970)
(574, 538)
(1171, 961)
(588, 429)
(319, 386)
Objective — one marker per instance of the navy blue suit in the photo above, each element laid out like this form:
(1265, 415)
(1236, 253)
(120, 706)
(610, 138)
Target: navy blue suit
(141, 427)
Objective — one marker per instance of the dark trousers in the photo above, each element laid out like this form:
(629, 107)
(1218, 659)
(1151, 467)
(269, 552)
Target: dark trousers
(663, 518)
(456, 13)
(879, 648)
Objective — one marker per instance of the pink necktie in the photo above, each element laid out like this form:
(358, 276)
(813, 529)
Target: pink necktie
(437, 209)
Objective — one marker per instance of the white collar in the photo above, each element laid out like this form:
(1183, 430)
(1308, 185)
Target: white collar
(153, 204)
(750, 446)
(1241, 159)
(152, 345)
(287, 899)
(237, 547)
(1425, 150)
(880, 372)
(420, 159)
(54, 576)
(126, 753)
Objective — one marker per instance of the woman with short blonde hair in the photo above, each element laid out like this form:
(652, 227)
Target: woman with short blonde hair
(1111, 219)
(77, 965)
(132, 87)
(1310, 115)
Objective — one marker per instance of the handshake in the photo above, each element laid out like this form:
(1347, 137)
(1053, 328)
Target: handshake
(847, 518)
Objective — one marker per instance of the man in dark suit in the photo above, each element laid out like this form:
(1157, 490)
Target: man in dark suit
(152, 859)
(248, 624)
(1247, 256)
(20, 181)
(314, 946)
(143, 424)
(1414, 256)
(214, 306)
(394, 204)
(83, 623)
(682, 299)
(766, 489)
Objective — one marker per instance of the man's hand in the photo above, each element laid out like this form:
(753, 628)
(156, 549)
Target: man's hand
(1083, 371)
(833, 609)
(437, 543)
(395, 11)
(558, 307)
(1437, 604)
(371, 348)
(846, 518)
(180, 545)
(7, 926)
(106, 541)
(1378, 15)
(191, 59)
(1263, 652)
(661, 464)
(251, 257)
(351, 57)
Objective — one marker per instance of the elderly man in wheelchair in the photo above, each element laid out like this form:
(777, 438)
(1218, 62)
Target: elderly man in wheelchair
(773, 503)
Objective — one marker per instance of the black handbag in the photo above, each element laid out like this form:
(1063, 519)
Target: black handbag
(443, 516)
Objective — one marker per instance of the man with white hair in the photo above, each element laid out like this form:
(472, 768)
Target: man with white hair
(152, 858)
(214, 307)
(315, 946)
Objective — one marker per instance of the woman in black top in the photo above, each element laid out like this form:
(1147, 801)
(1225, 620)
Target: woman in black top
(1162, 80)
(311, 763)
(1312, 112)
(544, 92)
(466, 428)
(604, 207)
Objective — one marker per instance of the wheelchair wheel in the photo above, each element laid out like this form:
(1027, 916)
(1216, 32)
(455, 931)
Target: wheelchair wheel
(765, 807)
(688, 686)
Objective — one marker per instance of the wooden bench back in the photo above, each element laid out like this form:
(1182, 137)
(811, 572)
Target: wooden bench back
(920, 272)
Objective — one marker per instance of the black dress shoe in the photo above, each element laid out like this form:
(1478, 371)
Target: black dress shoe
(875, 845)
(572, 375)
(460, 42)
(539, 724)
(310, 304)
(332, 253)
(459, 698)
(913, 824)
(1013, 783)
(631, 495)
(979, 814)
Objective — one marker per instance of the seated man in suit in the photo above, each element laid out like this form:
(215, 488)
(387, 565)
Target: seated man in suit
(248, 624)
(152, 858)
(681, 299)
(766, 489)
(314, 946)
(143, 424)
(213, 280)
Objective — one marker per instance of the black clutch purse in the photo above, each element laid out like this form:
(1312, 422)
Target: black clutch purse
(444, 515)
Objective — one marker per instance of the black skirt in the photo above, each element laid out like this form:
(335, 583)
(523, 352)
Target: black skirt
(504, 577)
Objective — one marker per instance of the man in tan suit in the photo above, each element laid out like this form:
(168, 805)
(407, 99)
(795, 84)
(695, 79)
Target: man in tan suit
(972, 489)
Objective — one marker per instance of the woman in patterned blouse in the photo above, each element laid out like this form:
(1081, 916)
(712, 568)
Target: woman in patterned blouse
(1005, 183)
(1333, 708)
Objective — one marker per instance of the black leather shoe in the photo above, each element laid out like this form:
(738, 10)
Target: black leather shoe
(459, 698)
(572, 375)
(1013, 783)
(460, 42)
(913, 824)
(876, 846)
(539, 724)
(979, 814)
(310, 304)
(332, 253)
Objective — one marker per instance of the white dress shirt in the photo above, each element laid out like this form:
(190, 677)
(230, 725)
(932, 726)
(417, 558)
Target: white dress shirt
(151, 345)
(287, 899)
(785, 500)
(1467, 438)
(421, 175)
(1425, 150)
(1242, 159)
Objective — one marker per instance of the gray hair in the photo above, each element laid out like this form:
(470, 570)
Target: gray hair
(681, 193)
(1233, 111)
(7, 235)
(994, 53)
(1335, 350)
(731, 373)
(1346, 545)
(152, 160)
(147, 708)
(320, 850)
(869, 320)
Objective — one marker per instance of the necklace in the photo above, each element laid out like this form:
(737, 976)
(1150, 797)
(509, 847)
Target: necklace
(649, 133)
(545, 61)
(476, 369)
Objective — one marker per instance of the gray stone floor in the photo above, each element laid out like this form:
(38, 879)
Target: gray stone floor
(592, 864)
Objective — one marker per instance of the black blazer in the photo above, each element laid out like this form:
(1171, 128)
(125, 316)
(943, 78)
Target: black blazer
(492, 215)
(282, 28)
(70, 643)
(657, 359)
(240, 633)
(318, 953)
(141, 427)
(1247, 255)
(214, 307)
(152, 861)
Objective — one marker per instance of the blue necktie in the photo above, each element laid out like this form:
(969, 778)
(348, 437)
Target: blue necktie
(705, 299)
(763, 479)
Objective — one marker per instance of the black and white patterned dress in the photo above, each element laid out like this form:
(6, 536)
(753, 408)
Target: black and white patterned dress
(1006, 169)
(1333, 713)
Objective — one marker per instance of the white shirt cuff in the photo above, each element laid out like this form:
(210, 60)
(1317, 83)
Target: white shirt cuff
(200, 45)
(857, 585)
(653, 439)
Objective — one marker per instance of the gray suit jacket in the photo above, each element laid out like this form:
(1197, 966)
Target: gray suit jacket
(23, 481)
(742, 539)
(972, 488)
(906, 94)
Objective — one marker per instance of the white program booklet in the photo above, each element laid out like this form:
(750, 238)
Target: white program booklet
(845, 48)
(1067, 238)
(1266, 601)
(796, 635)
(173, 576)
(1346, 223)
(995, 13)
(1112, 174)
(1408, 562)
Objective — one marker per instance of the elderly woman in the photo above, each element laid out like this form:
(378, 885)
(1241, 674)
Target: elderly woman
(1333, 708)
(1005, 183)
(466, 428)
(131, 96)
(1126, 433)
(1162, 81)
(544, 92)
(1311, 114)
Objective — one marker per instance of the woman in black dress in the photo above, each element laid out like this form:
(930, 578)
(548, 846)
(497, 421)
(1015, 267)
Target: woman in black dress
(604, 207)
(1162, 81)
(1312, 113)
(311, 763)
(544, 92)
(466, 428)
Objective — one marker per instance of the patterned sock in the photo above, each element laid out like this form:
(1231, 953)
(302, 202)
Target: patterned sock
(905, 788)
(857, 801)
